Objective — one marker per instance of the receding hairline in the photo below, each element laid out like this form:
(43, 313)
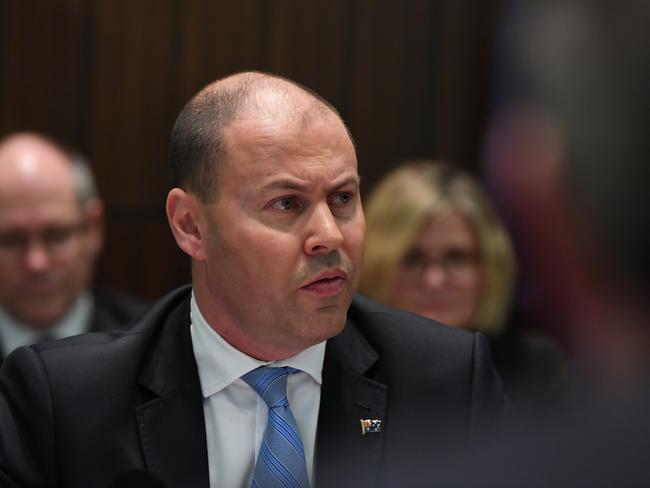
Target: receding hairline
(264, 95)
(198, 149)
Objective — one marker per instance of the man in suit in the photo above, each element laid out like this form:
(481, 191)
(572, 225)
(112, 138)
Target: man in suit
(51, 232)
(266, 202)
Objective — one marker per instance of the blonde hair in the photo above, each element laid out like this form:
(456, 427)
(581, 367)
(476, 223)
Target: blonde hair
(405, 201)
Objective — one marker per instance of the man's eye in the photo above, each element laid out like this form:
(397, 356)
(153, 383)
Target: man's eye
(285, 203)
(342, 198)
(13, 241)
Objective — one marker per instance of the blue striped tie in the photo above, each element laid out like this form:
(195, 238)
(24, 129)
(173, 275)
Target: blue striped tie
(281, 458)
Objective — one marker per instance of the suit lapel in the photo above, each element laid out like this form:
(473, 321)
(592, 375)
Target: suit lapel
(171, 424)
(345, 457)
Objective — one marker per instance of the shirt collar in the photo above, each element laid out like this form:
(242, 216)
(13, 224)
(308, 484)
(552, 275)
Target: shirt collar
(14, 333)
(220, 364)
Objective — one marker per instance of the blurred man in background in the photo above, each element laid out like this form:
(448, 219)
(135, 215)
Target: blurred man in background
(51, 233)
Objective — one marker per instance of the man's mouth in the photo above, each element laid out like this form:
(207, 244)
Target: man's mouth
(327, 283)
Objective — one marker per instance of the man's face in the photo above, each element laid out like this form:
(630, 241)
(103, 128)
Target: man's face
(284, 240)
(46, 254)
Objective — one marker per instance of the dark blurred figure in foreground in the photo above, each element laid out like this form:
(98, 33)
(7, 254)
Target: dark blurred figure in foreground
(568, 154)
(51, 232)
(435, 246)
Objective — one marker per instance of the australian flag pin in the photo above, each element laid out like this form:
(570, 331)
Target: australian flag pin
(370, 426)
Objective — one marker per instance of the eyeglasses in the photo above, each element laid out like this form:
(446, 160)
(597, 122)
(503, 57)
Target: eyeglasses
(454, 262)
(55, 240)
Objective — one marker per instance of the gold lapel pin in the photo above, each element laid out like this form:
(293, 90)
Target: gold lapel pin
(370, 426)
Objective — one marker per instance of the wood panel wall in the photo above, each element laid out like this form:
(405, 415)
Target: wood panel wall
(410, 77)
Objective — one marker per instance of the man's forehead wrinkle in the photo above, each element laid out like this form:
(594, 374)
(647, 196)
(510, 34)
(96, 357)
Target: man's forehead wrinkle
(301, 158)
(304, 182)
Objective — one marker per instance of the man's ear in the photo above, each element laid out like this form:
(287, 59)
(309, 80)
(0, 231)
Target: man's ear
(183, 215)
(95, 225)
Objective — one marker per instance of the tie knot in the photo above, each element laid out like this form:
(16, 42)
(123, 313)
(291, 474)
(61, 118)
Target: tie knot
(270, 383)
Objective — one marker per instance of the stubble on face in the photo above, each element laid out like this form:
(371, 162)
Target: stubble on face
(317, 264)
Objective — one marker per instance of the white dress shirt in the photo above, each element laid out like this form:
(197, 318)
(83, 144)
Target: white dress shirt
(235, 415)
(14, 334)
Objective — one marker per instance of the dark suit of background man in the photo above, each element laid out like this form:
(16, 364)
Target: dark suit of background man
(51, 232)
(267, 205)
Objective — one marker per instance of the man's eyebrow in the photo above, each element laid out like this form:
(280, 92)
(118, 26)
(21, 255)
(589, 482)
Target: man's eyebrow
(286, 184)
(352, 179)
(295, 185)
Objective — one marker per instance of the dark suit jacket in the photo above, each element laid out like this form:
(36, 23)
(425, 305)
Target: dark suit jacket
(114, 310)
(535, 372)
(78, 412)
(111, 310)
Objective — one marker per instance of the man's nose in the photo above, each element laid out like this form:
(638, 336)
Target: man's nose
(324, 233)
(37, 256)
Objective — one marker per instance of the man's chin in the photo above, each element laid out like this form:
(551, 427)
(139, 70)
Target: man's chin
(329, 322)
(39, 319)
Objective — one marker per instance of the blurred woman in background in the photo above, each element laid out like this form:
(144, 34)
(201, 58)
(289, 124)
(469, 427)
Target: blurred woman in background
(436, 247)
